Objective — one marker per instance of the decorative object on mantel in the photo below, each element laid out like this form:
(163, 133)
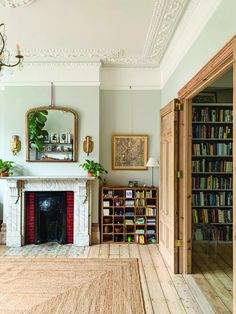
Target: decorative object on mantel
(152, 163)
(15, 144)
(5, 168)
(94, 168)
(88, 145)
(4, 54)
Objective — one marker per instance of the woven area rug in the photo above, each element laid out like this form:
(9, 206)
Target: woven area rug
(62, 285)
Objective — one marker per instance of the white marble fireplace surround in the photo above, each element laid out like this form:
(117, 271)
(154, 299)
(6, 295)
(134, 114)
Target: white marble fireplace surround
(15, 218)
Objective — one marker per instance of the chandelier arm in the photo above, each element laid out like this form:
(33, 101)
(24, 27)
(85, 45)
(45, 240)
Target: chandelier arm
(11, 65)
(3, 42)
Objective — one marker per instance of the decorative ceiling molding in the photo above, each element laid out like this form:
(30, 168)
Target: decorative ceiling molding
(72, 53)
(108, 57)
(165, 19)
(15, 3)
(191, 25)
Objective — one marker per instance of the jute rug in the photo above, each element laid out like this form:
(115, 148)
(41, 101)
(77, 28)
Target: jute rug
(62, 285)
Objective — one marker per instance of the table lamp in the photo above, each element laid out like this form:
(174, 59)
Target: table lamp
(152, 163)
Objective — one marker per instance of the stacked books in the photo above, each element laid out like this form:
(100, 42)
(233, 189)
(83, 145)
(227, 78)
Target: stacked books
(140, 221)
(151, 221)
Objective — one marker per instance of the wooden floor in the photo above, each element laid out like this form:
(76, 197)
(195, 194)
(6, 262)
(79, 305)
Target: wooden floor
(212, 271)
(164, 292)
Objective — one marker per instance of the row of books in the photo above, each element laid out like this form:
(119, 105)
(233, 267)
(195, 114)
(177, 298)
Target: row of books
(212, 115)
(212, 182)
(212, 199)
(207, 131)
(212, 216)
(140, 221)
(145, 194)
(204, 165)
(148, 211)
(219, 233)
(220, 149)
(140, 202)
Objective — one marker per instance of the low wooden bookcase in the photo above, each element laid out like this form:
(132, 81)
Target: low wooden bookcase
(129, 215)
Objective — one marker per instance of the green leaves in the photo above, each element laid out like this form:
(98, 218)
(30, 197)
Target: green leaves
(94, 168)
(5, 166)
(37, 121)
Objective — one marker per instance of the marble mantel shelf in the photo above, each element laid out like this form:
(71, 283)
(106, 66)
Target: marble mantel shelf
(28, 178)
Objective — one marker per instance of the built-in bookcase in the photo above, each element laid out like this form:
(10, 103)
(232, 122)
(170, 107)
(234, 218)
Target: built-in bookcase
(212, 166)
(129, 215)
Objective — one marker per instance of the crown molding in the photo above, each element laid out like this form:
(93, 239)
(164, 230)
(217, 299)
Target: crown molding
(108, 57)
(75, 73)
(37, 54)
(191, 25)
(15, 3)
(165, 18)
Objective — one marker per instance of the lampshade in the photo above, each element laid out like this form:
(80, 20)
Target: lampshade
(152, 162)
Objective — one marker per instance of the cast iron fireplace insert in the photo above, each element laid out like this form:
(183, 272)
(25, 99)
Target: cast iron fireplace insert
(50, 217)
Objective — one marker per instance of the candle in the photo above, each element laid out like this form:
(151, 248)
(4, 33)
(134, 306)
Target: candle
(18, 49)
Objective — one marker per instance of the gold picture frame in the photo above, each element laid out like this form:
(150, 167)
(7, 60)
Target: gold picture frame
(129, 151)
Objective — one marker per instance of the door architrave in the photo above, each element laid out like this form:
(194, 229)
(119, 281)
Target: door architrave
(219, 64)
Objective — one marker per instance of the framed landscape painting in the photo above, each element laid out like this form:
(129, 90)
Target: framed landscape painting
(129, 152)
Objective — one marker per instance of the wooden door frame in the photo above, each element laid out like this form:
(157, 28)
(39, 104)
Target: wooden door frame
(219, 64)
(170, 108)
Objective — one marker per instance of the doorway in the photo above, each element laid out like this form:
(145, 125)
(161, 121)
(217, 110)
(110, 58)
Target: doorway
(212, 191)
(216, 68)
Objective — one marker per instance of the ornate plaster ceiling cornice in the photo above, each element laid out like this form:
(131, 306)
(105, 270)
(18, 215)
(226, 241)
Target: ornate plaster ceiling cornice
(108, 57)
(165, 19)
(15, 3)
(71, 54)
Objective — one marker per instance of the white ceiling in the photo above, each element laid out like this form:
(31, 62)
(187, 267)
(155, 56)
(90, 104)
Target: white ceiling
(117, 31)
(118, 43)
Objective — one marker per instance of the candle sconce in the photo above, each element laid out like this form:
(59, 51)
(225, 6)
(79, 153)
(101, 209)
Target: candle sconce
(88, 145)
(15, 145)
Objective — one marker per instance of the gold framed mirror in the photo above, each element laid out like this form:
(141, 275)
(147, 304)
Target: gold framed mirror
(51, 134)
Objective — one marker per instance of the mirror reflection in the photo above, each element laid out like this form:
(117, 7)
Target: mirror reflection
(52, 134)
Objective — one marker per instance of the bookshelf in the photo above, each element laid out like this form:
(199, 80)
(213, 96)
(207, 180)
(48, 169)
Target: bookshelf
(212, 141)
(129, 215)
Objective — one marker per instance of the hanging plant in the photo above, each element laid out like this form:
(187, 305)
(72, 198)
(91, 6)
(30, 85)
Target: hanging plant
(37, 121)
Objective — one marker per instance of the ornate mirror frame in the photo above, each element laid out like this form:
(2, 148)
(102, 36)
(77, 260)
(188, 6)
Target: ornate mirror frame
(75, 134)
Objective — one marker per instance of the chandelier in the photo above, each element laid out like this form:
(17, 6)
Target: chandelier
(4, 54)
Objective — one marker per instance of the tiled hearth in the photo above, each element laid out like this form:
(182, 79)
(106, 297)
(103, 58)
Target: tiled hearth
(46, 250)
(19, 187)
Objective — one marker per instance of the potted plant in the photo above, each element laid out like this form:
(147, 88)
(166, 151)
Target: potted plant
(5, 168)
(94, 168)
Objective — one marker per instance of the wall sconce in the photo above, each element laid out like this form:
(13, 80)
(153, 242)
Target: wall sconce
(15, 144)
(88, 145)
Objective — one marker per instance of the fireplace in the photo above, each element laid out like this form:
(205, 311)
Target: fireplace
(49, 217)
(67, 221)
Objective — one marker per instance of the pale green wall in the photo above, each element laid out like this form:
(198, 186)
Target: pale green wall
(15, 101)
(129, 112)
(219, 29)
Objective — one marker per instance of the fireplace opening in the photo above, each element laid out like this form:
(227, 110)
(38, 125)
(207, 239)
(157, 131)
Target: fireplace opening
(50, 214)
(49, 217)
